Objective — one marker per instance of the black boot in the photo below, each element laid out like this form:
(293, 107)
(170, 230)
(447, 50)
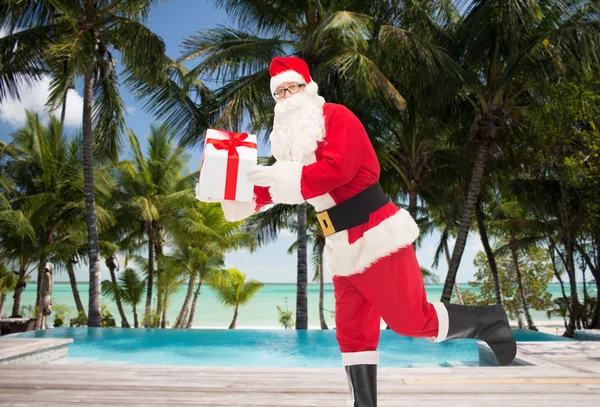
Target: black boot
(490, 324)
(362, 380)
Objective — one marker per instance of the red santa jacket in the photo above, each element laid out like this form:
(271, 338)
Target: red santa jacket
(343, 165)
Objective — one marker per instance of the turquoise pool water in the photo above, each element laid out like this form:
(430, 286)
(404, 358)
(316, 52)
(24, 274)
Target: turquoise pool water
(257, 348)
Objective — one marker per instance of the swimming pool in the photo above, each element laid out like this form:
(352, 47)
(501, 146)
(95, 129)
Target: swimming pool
(256, 348)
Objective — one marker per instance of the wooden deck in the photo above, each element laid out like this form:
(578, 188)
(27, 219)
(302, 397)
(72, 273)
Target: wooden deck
(556, 380)
(112, 385)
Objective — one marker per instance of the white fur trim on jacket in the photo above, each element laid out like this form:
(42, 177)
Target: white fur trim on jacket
(392, 234)
(285, 186)
(443, 322)
(322, 202)
(283, 77)
(370, 357)
(235, 211)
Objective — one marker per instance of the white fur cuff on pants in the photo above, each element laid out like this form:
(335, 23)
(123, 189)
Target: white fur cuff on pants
(443, 322)
(360, 358)
(285, 187)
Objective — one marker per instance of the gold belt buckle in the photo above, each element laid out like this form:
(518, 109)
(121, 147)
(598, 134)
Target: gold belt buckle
(325, 223)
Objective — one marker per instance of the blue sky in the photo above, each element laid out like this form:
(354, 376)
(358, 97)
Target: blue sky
(174, 21)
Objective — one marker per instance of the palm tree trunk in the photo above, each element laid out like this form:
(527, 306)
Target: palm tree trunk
(157, 253)
(301, 287)
(520, 323)
(524, 302)
(465, 221)
(235, 315)
(567, 241)
(150, 275)
(584, 316)
(163, 324)
(113, 276)
(595, 324)
(74, 288)
(64, 103)
(556, 272)
(595, 321)
(159, 298)
(64, 110)
(95, 302)
(2, 300)
(40, 273)
(193, 310)
(412, 204)
(38, 301)
(488, 250)
(456, 287)
(18, 293)
(135, 318)
(186, 303)
(321, 287)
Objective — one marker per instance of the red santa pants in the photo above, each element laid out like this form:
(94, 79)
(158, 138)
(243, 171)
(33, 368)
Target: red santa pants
(392, 289)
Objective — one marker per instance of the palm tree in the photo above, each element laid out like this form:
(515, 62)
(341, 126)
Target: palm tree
(199, 237)
(17, 240)
(302, 277)
(155, 186)
(8, 283)
(67, 39)
(109, 252)
(316, 237)
(333, 38)
(511, 224)
(501, 46)
(131, 291)
(233, 290)
(168, 282)
(49, 196)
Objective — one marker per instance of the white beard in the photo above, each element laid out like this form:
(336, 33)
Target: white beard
(298, 126)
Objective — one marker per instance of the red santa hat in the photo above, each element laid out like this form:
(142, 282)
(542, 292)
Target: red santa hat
(288, 69)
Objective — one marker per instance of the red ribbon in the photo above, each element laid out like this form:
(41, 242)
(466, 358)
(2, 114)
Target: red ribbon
(233, 158)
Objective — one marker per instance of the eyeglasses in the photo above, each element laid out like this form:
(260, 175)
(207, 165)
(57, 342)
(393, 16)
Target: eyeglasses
(295, 88)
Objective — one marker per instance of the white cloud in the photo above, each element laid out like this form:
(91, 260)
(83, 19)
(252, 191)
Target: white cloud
(130, 110)
(475, 240)
(287, 233)
(34, 98)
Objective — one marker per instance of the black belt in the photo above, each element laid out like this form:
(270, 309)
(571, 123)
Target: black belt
(352, 212)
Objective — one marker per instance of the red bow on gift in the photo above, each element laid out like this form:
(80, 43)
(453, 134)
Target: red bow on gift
(233, 158)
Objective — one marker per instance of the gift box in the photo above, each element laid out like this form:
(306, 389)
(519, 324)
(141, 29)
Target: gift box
(227, 156)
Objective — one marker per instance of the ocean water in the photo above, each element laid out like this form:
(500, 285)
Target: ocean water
(260, 312)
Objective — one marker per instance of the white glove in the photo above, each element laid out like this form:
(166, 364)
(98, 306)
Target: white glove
(261, 175)
(283, 179)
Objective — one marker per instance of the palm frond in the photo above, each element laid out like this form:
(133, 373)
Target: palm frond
(227, 54)
(23, 60)
(274, 17)
(346, 28)
(249, 290)
(172, 99)
(17, 14)
(131, 9)
(141, 48)
(266, 225)
(109, 121)
(368, 76)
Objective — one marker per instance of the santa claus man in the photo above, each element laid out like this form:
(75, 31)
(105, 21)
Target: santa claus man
(324, 157)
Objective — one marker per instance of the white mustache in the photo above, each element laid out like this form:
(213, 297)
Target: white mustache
(292, 104)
